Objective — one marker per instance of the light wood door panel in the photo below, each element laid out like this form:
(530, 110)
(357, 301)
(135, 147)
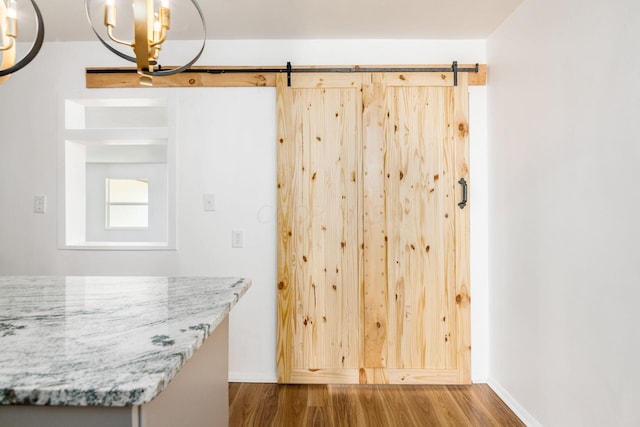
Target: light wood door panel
(416, 292)
(373, 249)
(420, 203)
(319, 223)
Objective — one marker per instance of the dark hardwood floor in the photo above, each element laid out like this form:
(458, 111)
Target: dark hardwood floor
(366, 405)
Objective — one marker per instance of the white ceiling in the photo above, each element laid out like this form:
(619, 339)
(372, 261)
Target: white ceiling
(304, 19)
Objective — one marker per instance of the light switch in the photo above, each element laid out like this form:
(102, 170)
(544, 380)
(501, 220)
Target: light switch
(40, 204)
(209, 203)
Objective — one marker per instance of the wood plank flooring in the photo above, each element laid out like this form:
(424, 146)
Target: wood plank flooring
(366, 405)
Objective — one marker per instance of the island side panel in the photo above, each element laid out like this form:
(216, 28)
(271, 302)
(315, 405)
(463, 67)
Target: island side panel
(64, 416)
(199, 393)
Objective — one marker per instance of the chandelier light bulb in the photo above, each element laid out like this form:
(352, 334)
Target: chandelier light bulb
(12, 12)
(11, 31)
(110, 14)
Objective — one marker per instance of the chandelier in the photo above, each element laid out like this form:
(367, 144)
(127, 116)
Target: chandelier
(9, 38)
(151, 24)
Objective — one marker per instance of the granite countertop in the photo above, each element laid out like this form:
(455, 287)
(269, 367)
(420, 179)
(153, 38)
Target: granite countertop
(103, 341)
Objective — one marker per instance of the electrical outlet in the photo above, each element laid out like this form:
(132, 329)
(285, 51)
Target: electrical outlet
(236, 239)
(40, 204)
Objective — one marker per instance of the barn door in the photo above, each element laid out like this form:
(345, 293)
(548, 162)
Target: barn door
(372, 257)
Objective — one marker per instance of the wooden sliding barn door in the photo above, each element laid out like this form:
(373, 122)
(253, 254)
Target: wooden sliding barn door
(373, 247)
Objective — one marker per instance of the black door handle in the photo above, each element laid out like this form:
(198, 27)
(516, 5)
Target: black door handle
(463, 203)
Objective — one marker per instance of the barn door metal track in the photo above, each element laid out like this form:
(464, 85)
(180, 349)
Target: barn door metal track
(289, 69)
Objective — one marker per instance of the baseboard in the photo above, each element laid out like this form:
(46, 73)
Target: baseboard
(479, 380)
(249, 377)
(513, 404)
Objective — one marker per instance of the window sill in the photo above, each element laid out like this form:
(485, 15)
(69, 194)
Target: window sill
(119, 246)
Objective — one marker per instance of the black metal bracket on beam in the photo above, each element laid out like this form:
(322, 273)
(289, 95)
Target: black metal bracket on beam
(454, 68)
(288, 74)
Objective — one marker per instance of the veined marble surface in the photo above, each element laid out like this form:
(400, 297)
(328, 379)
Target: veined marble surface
(103, 341)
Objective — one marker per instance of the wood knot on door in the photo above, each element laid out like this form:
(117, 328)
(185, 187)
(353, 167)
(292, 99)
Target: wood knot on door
(463, 299)
(463, 130)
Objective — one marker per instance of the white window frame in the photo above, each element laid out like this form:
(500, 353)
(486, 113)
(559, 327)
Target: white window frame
(108, 203)
(72, 140)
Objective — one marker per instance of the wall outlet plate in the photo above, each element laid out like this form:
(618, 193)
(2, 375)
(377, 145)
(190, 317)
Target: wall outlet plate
(236, 239)
(40, 204)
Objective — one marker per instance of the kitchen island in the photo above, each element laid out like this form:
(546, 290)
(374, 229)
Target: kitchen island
(115, 351)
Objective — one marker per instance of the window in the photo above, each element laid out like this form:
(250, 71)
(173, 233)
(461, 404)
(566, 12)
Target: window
(127, 204)
(118, 189)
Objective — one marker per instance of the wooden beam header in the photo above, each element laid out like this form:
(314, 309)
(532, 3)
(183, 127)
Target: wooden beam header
(222, 76)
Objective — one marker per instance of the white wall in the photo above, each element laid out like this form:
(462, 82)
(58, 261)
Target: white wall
(226, 147)
(563, 159)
